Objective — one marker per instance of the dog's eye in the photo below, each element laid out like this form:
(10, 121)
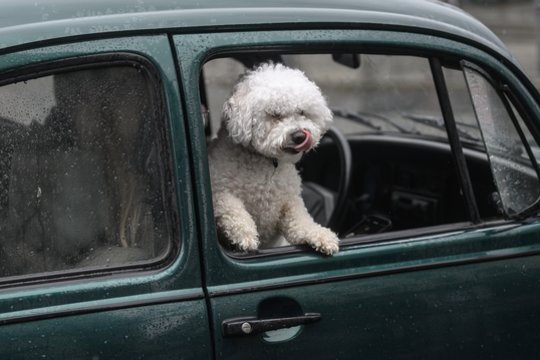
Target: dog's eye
(275, 115)
(301, 112)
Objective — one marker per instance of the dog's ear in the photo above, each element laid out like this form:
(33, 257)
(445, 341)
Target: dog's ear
(227, 111)
(327, 116)
(238, 123)
(321, 114)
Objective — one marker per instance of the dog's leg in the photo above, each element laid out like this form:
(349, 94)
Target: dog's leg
(233, 221)
(298, 227)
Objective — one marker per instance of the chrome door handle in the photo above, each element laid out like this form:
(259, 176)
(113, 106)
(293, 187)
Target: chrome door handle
(251, 325)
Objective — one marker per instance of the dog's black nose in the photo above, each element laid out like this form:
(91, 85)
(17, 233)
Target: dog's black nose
(298, 137)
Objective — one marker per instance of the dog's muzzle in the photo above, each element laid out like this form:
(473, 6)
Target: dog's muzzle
(300, 141)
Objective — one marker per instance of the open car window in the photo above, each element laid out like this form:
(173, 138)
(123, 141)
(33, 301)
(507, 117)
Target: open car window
(404, 175)
(83, 163)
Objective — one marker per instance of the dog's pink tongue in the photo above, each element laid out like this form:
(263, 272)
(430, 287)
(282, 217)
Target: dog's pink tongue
(306, 144)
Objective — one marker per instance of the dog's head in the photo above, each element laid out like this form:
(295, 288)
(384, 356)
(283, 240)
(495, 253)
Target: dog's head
(277, 111)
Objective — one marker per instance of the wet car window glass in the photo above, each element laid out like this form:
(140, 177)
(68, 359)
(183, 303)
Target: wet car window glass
(471, 139)
(462, 107)
(529, 138)
(82, 172)
(511, 166)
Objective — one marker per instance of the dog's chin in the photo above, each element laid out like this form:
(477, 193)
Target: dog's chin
(291, 151)
(294, 149)
(290, 155)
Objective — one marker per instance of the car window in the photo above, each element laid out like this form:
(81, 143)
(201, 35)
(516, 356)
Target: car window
(83, 166)
(477, 161)
(404, 175)
(513, 168)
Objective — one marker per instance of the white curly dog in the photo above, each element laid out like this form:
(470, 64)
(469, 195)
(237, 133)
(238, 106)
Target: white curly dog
(274, 115)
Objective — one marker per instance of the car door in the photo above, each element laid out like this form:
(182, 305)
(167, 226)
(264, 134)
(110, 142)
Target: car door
(466, 287)
(98, 258)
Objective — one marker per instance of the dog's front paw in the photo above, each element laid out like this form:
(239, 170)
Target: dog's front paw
(245, 237)
(247, 243)
(240, 233)
(325, 241)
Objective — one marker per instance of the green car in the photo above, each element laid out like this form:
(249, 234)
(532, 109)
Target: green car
(429, 175)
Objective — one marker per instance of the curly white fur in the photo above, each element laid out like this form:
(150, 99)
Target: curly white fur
(273, 116)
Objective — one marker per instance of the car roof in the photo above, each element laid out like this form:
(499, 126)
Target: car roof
(29, 21)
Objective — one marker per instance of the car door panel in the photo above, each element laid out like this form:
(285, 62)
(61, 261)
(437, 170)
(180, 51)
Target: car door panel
(458, 290)
(138, 309)
(149, 331)
(479, 310)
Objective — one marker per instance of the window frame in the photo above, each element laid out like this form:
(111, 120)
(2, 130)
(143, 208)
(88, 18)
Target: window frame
(454, 139)
(436, 61)
(98, 61)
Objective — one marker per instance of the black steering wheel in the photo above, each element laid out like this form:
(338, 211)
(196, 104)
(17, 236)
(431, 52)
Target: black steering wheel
(326, 206)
